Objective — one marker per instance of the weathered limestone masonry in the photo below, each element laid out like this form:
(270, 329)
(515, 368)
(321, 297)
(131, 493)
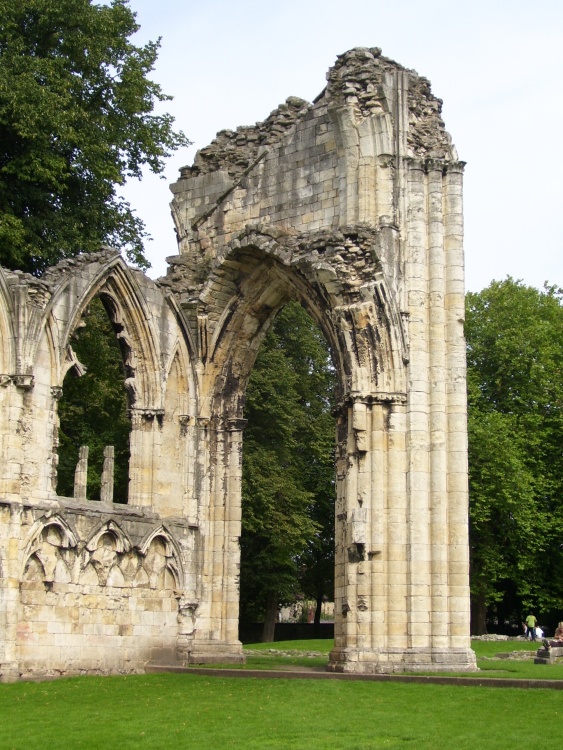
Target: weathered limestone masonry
(352, 206)
(92, 586)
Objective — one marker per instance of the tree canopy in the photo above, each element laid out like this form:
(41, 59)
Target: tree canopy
(515, 392)
(77, 118)
(288, 470)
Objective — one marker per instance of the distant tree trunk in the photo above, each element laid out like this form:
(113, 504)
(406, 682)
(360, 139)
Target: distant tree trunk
(478, 615)
(318, 611)
(270, 619)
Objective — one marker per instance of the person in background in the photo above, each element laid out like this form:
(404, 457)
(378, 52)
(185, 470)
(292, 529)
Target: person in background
(531, 622)
(557, 640)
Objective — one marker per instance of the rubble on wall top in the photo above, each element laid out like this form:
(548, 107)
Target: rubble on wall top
(40, 287)
(357, 79)
(235, 150)
(53, 274)
(427, 136)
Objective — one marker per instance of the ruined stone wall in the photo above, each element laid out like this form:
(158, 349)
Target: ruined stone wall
(351, 205)
(88, 586)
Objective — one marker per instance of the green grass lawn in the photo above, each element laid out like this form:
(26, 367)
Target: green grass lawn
(197, 711)
(258, 656)
(193, 711)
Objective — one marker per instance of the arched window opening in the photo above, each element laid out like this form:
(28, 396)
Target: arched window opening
(288, 485)
(93, 410)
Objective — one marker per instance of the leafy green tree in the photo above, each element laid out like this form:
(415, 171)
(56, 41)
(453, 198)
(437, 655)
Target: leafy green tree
(515, 392)
(93, 409)
(76, 120)
(288, 470)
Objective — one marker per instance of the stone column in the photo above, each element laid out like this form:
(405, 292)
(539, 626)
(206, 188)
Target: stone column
(377, 557)
(371, 538)
(10, 526)
(144, 442)
(11, 415)
(395, 554)
(438, 421)
(418, 553)
(233, 517)
(81, 474)
(188, 456)
(216, 639)
(106, 491)
(340, 532)
(458, 565)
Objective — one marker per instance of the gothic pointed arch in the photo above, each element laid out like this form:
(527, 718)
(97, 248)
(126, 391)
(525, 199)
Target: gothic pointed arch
(115, 283)
(171, 551)
(355, 310)
(53, 529)
(121, 541)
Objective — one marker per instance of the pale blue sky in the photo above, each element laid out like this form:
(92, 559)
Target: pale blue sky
(497, 65)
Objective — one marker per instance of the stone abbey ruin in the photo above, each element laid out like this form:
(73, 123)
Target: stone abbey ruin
(352, 206)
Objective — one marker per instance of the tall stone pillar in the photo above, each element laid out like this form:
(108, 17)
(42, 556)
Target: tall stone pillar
(216, 639)
(457, 483)
(144, 443)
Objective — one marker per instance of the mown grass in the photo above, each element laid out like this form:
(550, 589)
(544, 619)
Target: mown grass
(521, 670)
(492, 648)
(192, 711)
(259, 657)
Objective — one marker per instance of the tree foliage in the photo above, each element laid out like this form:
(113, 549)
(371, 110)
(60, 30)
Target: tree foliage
(93, 409)
(288, 468)
(77, 117)
(515, 389)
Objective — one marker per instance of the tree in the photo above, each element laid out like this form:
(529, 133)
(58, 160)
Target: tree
(288, 470)
(515, 393)
(76, 120)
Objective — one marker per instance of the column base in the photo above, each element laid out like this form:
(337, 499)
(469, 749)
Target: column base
(396, 661)
(9, 671)
(211, 652)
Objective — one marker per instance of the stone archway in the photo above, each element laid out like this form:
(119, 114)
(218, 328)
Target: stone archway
(353, 206)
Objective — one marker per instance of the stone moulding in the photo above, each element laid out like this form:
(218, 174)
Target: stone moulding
(351, 205)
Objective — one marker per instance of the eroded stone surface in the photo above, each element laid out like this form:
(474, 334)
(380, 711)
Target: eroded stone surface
(351, 205)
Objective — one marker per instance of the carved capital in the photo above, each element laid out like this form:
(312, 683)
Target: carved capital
(436, 165)
(416, 165)
(389, 398)
(356, 399)
(140, 415)
(25, 382)
(56, 392)
(235, 424)
(457, 167)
